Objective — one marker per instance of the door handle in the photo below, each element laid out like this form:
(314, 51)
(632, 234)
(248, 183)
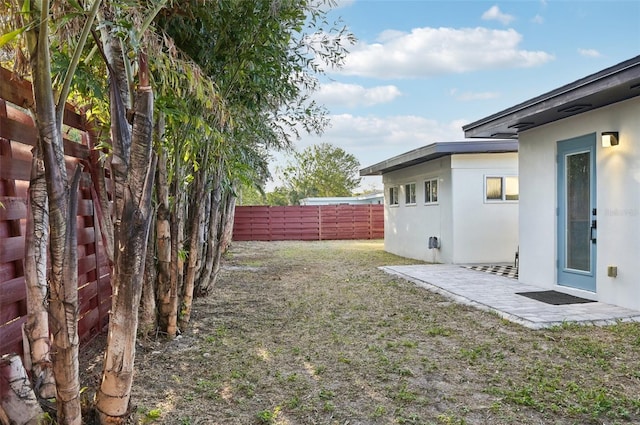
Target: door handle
(593, 231)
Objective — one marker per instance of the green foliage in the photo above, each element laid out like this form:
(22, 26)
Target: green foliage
(279, 196)
(251, 195)
(320, 171)
(151, 416)
(268, 416)
(264, 58)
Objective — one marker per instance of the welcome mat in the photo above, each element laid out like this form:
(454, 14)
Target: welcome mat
(500, 270)
(554, 297)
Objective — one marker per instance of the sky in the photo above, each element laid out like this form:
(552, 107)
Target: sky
(421, 69)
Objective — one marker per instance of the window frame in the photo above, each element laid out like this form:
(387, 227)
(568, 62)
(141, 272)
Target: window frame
(408, 192)
(394, 195)
(428, 199)
(503, 184)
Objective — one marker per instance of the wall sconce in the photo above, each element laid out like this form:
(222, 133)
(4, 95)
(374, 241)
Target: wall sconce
(609, 138)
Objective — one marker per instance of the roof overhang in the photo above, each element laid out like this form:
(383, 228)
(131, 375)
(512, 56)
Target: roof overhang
(611, 85)
(438, 150)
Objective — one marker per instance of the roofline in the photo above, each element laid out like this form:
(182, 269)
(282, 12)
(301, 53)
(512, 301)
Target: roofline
(438, 150)
(575, 86)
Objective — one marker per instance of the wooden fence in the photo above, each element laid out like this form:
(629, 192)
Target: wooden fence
(319, 222)
(17, 137)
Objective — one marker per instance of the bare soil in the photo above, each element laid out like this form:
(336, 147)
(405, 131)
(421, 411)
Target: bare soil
(315, 333)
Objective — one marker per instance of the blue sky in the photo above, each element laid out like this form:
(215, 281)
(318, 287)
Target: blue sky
(421, 69)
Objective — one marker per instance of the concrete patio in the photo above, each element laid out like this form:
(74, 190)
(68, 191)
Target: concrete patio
(498, 294)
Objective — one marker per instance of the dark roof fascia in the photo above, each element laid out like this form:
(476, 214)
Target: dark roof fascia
(614, 76)
(438, 150)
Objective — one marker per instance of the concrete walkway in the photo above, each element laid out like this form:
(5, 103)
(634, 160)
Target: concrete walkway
(498, 294)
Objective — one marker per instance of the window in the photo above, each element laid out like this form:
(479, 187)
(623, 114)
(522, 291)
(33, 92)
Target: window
(393, 196)
(431, 191)
(501, 188)
(410, 193)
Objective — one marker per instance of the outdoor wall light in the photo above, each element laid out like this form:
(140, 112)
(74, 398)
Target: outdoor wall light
(609, 138)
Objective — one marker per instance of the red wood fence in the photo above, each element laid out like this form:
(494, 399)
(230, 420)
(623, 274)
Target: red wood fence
(17, 137)
(318, 222)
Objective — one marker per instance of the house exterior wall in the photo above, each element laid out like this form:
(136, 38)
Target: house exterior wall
(483, 232)
(470, 230)
(407, 228)
(618, 202)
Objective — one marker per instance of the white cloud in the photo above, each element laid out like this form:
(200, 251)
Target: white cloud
(353, 95)
(590, 53)
(538, 19)
(374, 139)
(470, 96)
(495, 14)
(426, 52)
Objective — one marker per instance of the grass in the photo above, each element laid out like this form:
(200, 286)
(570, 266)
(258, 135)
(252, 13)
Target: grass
(319, 335)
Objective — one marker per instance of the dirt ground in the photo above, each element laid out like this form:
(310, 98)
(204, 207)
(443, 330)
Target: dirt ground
(314, 333)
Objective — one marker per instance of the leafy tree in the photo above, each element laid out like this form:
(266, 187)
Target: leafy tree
(251, 195)
(319, 171)
(279, 196)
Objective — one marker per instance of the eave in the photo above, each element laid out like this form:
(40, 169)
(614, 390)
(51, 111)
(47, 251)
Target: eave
(612, 85)
(438, 150)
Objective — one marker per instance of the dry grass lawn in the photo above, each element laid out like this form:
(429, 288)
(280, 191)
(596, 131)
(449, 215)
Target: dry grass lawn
(314, 333)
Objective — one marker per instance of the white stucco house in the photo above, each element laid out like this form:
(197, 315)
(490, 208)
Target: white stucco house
(452, 202)
(579, 169)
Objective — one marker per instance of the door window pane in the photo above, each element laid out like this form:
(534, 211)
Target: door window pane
(578, 216)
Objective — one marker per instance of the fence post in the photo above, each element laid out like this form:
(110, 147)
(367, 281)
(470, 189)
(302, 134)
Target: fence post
(319, 222)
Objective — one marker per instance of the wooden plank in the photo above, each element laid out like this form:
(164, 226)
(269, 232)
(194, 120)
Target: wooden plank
(12, 249)
(18, 131)
(12, 291)
(89, 324)
(7, 271)
(9, 312)
(13, 208)
(11, 336)
(13, 169)
(85, 207)
(15, 90)
(86, 264)
(86, 235)
(88, 297)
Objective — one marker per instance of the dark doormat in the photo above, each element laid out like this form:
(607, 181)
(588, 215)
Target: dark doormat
(554, 297)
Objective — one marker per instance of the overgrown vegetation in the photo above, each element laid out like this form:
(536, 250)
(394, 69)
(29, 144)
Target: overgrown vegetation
(313, 332)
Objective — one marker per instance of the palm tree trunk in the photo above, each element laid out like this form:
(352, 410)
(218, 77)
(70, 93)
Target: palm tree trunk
(147, 311)
(18, 402)
(225, 230)
(35, 272)
(204, 248)
(167, 293)
(112, 398)
(177, 235)
(63, 279)
(196, 242)
(206, 281)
